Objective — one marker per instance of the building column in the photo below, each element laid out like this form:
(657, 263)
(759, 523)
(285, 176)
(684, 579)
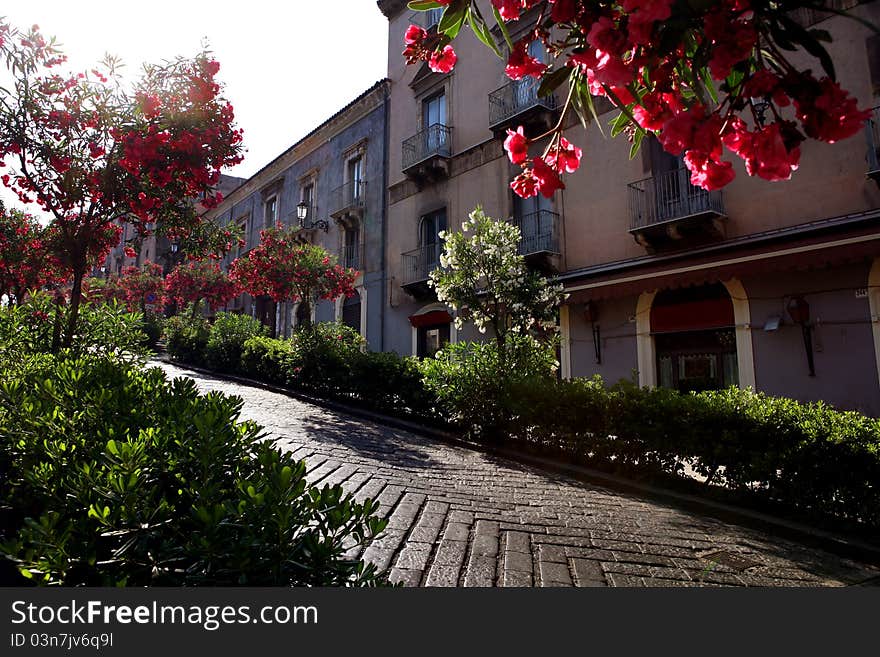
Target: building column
(565, 342)
(874, 304)
(362, 295)
(647, 357)
(742, 318)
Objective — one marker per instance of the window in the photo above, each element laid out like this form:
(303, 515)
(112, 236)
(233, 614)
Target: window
(434, 110)
(355, 179)
(350, 254)
(429, 229)
(270, 212)
(307, 196)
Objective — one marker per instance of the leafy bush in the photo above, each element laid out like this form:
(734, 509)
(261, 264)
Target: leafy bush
(226, 340)
(186, 336)
(267, 359)
(152, 326)
(473, 381)
(114, 476)
(107, 330)
(806, 457)
(386, 382)
(323, 355)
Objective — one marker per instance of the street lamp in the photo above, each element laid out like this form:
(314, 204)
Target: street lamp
(302, 214)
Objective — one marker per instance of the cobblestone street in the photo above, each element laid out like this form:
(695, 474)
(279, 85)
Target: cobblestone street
(463, 518)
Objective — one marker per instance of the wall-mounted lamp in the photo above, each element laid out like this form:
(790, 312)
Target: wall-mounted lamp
(302, 214)
(591, 315)
(799, 311)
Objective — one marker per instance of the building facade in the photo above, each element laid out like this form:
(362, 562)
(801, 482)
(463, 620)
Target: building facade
(338, 173)
(775, 286)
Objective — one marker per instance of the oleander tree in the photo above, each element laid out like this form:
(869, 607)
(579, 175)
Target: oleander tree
(483, 278)
(143, 286)
(198, 281)
(25, 263)
(285, 268)
(706, 77)
(91, 151)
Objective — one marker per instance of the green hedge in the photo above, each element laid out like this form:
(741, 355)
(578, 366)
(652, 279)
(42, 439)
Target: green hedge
(110, 475)
(229, 332)
(806, 457)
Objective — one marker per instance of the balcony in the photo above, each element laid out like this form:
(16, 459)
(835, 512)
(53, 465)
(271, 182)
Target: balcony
(540, 236)
(426, 154)
(872, 134)
(518, 103)
(351, 257)
(417, 265)
(348, 201)
(667, 208)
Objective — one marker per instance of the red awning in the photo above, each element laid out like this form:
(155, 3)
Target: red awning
(430, 319)
(692, 315)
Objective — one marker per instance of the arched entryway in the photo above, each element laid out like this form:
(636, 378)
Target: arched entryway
(432, 328)
(351, 312)
(695, 338)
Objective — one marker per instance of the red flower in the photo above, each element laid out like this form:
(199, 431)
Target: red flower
(509, 9)
(517, 146)
(414, 35)
(520, 64)
(563, 10)
(564, 156)
(525, 185)
(708, 173)
(828, 113)
(129, 252)
(442, 61)
(548, 179)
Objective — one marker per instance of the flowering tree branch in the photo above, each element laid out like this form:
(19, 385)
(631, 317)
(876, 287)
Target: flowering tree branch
(699, 75)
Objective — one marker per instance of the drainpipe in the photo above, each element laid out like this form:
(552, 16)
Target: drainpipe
(386, 147)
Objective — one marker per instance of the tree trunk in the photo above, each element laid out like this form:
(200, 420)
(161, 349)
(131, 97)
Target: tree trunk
(75, 299)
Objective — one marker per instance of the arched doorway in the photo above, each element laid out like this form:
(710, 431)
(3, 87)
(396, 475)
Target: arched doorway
(695, 340)
(351, 312)
(432, 329)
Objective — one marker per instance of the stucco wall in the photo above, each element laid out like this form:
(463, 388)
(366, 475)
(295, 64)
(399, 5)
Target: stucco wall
(846, 369)
(617, 331)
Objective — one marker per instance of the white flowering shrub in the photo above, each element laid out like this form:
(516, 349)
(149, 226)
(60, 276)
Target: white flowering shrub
(483, 279)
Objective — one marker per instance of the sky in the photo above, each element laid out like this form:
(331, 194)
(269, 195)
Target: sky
(287, 65)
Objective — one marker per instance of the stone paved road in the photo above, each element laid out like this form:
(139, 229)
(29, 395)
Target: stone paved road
(462, 518)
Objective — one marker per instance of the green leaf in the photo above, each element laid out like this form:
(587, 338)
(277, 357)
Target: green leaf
(453, 18)
(552, 80)
(481, 31)
(423, 5)
(618, 124)
(637, 143)
(501, 26)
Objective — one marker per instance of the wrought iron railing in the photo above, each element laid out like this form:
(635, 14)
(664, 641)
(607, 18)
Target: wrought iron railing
(420, 262)
(515, 98)
(668, 196)
(348, 196)
(351, 257)
(872, 134)
(433, 140)
(540, 232)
